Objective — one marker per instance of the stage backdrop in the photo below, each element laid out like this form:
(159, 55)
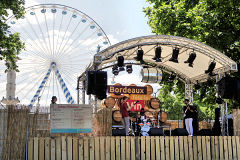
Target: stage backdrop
(71, 118)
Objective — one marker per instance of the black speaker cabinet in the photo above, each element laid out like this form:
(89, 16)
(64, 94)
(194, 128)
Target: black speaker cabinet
(97, 83)
(118, 132)
(205, 132)
(156, 132)
(179, 132)
(226, 87)
(101, 84)
(90, 83)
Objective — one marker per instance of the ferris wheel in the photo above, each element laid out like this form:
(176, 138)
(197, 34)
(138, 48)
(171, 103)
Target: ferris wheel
(59, 42)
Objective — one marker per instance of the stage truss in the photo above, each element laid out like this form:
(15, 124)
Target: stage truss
(189, 75)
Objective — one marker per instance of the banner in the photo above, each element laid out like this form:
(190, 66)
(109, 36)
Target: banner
(137, 107)
(140, 97)
(127, 89)
(70, 118)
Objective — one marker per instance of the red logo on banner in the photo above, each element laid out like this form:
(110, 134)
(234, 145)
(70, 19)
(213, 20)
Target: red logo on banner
(137, 107)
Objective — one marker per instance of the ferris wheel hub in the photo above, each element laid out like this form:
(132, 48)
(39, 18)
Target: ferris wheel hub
(53, 64)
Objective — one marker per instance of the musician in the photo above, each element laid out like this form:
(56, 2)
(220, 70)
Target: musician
(124, 111)
(188, 116)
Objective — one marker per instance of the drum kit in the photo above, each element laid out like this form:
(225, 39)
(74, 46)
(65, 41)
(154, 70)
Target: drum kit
(140, 125)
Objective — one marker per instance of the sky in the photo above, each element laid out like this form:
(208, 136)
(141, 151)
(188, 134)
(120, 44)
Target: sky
(120, 20)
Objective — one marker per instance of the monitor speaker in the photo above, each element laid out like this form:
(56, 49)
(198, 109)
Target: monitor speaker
(118, 132)
(205, 132)
(156, 132)
(179, 132)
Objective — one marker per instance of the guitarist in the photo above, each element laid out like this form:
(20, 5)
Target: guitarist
(124, 111)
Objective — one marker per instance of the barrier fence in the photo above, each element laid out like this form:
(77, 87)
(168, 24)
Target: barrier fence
(134, 148)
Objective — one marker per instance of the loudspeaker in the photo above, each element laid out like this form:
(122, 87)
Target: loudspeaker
(205, 132)
(101, 84)
(118, 132)
(97, 83)
(226, 87)
(179, 132)
(237, 90)
(90, 83)
(156, 132)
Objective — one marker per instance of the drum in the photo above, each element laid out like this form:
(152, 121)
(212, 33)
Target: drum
(148, 114)
(117, 116)
(154, 103)
(110, 102)
(163, 116)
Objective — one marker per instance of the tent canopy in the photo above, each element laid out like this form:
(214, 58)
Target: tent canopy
(204, 56)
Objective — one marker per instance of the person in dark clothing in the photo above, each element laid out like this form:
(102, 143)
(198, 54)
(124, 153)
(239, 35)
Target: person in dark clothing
(188, 116)
(124, 111)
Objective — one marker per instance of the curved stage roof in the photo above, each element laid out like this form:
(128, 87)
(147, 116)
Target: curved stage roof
(204, 55)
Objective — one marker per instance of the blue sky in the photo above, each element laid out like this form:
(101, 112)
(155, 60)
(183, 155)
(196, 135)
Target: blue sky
(121, 20)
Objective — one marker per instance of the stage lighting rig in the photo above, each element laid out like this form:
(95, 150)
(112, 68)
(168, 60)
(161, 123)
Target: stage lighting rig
(139, 56)
(191, 58)
(174, 57)
(210, 69)
(115, 70)
(129, 69)
(158, 52)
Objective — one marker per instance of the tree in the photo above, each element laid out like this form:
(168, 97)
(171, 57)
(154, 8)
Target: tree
(10, 44)
(214, 22)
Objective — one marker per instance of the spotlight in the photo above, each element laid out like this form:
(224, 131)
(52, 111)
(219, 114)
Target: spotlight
(219, 100)
(158, 52)
(172, 77)
(129, 68)
(139, 56)
(120, 61)
(115, 70)
(174, 57)
(197, 86)
(211, 68)
(190, 59)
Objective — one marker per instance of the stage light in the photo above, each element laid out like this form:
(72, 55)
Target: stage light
(174, 57)
(139, 56)
(211, 68)
(158, 52)
(115, 70)
(190, 59)
(120, 61)
(219, 100)
(129, 68)
(197, 86)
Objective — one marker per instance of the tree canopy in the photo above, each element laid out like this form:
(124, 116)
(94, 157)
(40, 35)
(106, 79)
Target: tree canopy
(10, 44)
(214, 22)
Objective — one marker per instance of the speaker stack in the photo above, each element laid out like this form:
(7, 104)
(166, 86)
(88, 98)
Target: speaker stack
(229, 88)
(97, 83)
(179, 132)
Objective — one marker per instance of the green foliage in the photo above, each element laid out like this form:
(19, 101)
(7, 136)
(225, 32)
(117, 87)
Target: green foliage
(10, 44)
(214, 22)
